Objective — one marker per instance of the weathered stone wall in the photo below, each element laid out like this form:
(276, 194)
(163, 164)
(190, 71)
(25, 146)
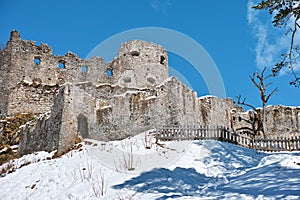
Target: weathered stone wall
(114, 112)
(31, 63)
(32, 98)
(281, 121)
(4, 81)
(44, 135)
(68, 133)
(55, 130)
(216, 111)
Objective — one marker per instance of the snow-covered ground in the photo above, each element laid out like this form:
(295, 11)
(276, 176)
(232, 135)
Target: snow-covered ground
(136, 168)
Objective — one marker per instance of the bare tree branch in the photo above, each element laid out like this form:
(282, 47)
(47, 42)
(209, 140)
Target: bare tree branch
(272, 93)
(244, 103)
(283, 12)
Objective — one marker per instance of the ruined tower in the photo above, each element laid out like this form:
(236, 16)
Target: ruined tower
(140, 64)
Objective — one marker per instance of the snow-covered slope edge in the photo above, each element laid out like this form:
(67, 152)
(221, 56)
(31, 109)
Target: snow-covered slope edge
(136, 168)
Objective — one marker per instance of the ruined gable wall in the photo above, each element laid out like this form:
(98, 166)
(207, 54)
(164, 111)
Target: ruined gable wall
(25, 62)
(46, 70)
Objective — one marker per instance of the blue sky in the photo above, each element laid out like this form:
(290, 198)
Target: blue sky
(239, 40)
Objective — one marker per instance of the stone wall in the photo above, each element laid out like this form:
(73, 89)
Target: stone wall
(216, 111)
(4, 71)
(77, 98)
(55, 130)
(281, 121)
(32, 98)
(31, 62)
(112, 112)
(44, 134)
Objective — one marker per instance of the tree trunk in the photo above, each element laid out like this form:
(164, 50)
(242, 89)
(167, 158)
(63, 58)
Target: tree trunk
(264, 120)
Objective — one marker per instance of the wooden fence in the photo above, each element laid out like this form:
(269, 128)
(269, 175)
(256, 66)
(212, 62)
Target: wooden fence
(277, 144)
(224, 134)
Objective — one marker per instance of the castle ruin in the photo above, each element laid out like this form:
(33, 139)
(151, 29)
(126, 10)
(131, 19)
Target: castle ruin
(75, 98)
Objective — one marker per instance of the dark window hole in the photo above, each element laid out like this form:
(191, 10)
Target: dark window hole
(37, 60)
(135, 54)
(83, 69)
(162, 60)
(61, 64)
(109, 72)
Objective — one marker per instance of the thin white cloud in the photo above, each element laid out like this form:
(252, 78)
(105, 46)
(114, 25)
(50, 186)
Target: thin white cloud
(160, 5)
(251, 14)
(271, 43)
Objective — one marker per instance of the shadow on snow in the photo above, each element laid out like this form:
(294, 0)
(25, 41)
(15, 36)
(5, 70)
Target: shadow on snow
(242, 174)
(176, 183)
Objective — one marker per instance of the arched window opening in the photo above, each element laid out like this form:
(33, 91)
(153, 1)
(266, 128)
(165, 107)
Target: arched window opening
(135, 54)
(37, 60)
(83, 69)
(109, 72)
(61, 64)
(82, 125)
(162, 60)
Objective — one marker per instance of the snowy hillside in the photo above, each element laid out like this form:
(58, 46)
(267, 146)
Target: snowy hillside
(137, 168)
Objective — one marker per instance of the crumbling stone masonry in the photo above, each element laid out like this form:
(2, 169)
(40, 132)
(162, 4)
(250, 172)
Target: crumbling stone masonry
(107, 101)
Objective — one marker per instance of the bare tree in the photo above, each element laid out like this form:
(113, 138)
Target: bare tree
(253, 120)
(258, 80)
